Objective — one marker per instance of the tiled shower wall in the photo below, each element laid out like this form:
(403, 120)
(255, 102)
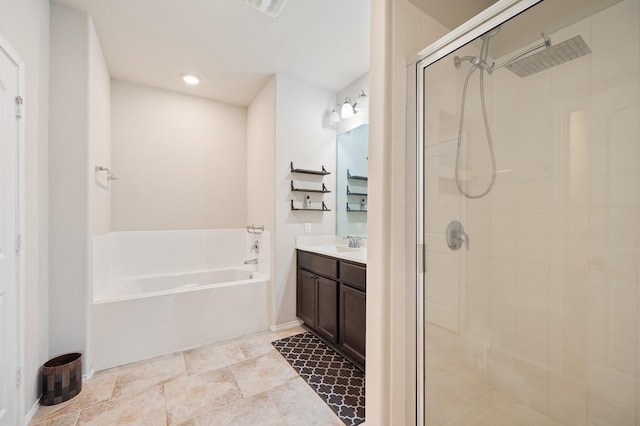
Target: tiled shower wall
(549, 292)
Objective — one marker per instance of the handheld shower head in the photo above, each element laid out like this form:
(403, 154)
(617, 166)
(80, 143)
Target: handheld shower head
(484, 51)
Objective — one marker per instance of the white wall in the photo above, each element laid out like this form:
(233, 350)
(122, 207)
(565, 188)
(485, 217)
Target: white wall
(181, 161)
(68, 214)
(79, 113)
(398, 31)
(99, 136)
(26, 28)
(304, 137)
(261, 148)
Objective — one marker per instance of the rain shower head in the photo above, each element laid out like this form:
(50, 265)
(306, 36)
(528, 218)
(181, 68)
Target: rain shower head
(553, 55)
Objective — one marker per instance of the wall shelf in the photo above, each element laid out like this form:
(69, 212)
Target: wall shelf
(324, 189)
(350, 210)
(363, 194)
(322, 209)
(355, 177)
(310, 172)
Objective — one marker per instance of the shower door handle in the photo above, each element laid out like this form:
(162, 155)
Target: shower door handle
(456, 237)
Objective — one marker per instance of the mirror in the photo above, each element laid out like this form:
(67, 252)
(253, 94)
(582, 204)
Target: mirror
(351, 181)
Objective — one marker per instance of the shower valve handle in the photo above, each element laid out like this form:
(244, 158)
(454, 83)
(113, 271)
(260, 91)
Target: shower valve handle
(456, 237)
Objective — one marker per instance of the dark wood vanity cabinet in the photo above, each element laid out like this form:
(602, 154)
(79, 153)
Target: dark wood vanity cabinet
(331, 300)
(352, 322)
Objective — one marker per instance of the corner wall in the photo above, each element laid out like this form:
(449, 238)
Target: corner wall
(399, 30)
(304, 136)
(261, 151)
(180, 161)
(79, 135)
(26, 28)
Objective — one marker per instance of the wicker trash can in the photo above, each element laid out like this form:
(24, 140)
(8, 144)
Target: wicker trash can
(61, 378)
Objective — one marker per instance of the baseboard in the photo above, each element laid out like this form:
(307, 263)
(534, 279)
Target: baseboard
(34, 409)
(89, 374)
(32, 412)
(286, 325)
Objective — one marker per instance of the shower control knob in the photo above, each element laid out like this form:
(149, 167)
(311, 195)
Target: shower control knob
(456, 237)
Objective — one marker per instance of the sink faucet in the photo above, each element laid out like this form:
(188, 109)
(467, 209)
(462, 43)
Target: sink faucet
(251, 262)
(354, 241)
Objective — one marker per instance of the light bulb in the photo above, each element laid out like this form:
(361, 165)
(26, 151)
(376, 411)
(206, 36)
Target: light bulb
(362, 103)
(334, 117)
(347, 109)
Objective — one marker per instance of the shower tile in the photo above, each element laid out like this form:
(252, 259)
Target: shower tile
(623, 158)
(576, 252)
(613, 97)
(212, 357)
(620, 62)
(613, 384)
(566, 418)
(569, 395)
(533, 247)
(606, 412)
(623, 190)
(614, 30)
(148, 405)
(496, 408)
(192, 396)
(139, 376)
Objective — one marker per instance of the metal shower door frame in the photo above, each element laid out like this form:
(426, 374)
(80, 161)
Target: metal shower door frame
(491, 17)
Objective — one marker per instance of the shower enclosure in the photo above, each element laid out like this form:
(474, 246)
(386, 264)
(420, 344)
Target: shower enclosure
(528, 124)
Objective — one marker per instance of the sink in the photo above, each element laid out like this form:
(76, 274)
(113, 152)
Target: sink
(333, 246)
(346, 249)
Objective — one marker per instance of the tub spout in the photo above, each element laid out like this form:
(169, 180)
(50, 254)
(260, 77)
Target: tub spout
(251, 262)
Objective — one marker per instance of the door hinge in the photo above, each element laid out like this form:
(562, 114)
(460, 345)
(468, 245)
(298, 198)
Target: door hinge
(18, 243)
(18, 376)
(19, 106)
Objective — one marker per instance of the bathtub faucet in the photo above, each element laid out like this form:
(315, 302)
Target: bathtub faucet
(251, 262)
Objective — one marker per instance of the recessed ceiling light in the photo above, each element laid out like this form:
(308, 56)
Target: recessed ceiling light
(190, 79)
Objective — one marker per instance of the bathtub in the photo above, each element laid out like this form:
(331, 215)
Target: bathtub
(138, 314)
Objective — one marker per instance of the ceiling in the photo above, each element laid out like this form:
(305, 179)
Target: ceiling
(452, 13)
(230, 46)
(547, 17)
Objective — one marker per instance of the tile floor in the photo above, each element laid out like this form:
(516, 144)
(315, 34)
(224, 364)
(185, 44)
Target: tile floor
(243, 381)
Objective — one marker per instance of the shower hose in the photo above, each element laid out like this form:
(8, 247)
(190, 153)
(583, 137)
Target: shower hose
(487, 130)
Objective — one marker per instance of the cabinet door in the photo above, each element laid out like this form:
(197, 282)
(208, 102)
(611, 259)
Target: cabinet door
(353, 322)
(306, 297)
(327, 319)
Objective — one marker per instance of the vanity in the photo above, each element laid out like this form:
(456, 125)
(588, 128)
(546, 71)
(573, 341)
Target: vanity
(331, 294)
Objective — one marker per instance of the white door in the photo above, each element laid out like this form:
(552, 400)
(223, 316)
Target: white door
(9, 120)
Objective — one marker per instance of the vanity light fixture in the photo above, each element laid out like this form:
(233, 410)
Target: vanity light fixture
(362, 103)
(190, 79)
(349, 109)
(334, 117)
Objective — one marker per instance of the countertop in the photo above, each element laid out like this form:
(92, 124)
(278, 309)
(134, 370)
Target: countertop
(334, 246)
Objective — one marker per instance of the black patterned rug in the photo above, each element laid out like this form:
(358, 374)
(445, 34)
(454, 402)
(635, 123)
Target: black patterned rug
(337, 381)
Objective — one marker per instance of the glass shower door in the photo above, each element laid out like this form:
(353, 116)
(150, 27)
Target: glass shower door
(530, 138)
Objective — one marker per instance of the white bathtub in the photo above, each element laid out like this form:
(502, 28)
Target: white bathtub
(154, 285)
(141, 315)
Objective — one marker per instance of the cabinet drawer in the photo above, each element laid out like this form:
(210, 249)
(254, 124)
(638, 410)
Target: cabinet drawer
(353, 275)
(318, 264)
